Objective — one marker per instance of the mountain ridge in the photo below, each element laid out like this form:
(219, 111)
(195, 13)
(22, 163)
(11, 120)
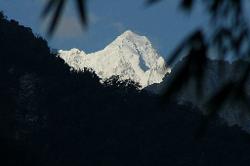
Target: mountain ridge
(231, 113)
(50, 116)
(129, 56)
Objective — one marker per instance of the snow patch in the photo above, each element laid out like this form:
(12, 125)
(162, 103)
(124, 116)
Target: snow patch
(129, 56)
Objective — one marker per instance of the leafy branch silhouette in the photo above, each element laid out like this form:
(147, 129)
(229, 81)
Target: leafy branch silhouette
(230, 35)
(57, 6)
(227, 38)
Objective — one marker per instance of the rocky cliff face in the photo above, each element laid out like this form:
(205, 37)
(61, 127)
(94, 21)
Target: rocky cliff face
(129, 56)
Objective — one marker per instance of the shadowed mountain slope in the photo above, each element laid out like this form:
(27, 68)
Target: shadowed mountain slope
(53, 116)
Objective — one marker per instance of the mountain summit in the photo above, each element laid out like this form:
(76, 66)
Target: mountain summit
(129, 56)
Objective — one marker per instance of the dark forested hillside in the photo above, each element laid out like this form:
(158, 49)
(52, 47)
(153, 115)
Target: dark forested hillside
(217, 74)
(50, 115)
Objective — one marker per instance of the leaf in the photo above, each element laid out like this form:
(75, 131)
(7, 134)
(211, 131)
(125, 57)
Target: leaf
(186, 44)
(48, 7)
(58, 6)
(150, 2)
(213, 105)
(177, 81)
(56, 17)
(187, 4)
(232, 92)
(81, 4)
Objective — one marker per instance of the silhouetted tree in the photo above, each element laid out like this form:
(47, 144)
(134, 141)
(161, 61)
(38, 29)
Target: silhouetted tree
(230, 36)
(50, 115)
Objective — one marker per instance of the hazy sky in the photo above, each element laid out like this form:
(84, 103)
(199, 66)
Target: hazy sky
(164, 23)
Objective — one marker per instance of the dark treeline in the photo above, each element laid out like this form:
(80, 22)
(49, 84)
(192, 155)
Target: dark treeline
(50, 115)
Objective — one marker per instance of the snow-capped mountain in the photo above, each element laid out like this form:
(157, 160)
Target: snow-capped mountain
(129, 56)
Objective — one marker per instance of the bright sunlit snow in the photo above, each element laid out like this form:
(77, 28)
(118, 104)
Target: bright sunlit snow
(129, 56)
